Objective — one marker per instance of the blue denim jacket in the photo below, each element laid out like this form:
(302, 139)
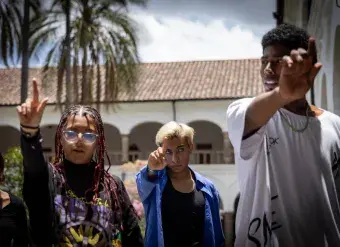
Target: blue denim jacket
(150, 193)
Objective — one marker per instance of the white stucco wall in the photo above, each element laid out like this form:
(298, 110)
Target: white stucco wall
(138, 120)
(128, 115)
(323, 23)
(131, 116)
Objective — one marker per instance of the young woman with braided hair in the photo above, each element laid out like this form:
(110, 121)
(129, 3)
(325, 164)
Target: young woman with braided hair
(74, 201)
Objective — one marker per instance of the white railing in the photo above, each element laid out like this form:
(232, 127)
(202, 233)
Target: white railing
(115, 157)
(197, 157)
(207, 157)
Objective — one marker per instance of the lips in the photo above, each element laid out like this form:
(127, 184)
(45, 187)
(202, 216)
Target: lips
(78, 151)
(270, 84)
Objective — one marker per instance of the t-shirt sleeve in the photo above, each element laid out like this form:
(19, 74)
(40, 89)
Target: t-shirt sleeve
(244, 147)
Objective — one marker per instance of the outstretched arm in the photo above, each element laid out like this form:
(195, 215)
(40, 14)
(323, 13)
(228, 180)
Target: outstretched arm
(36, 192)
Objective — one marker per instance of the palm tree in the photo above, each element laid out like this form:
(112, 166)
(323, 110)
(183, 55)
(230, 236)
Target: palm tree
(15, 22)
(103, 48)
(25, 38)
(10, 21)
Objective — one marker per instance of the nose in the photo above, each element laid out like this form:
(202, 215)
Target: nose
(174, 157)
(80, 137)
(268, 70)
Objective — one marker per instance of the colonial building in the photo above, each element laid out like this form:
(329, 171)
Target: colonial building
(322, 19)
(195, 93)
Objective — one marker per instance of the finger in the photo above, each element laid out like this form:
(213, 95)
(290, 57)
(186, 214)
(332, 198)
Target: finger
(19, 110)
(287, 61)
(303, 53)
(314, 71)
(161, 160)
(42, 105)
(312, 49)
(295, 56)
(28, 108)
(160, 151)
(24, 109)
(156, 154)
(28, 103)
(35, 91)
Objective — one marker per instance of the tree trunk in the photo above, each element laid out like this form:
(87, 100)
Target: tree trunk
(85, 81)
(69, 88)
(25, 26)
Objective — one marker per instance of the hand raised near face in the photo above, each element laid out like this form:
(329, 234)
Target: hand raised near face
(299, 70)
(156, 160)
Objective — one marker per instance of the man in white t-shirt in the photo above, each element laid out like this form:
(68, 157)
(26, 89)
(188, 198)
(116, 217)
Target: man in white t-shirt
(287, 152)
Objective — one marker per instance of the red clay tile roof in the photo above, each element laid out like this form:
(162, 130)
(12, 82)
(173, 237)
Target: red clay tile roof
(163, 81)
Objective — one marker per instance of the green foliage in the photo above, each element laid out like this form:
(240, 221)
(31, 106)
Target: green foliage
(14, 177)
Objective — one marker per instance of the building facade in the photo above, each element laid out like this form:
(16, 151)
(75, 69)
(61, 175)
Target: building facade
(322, 20)
(194, 93)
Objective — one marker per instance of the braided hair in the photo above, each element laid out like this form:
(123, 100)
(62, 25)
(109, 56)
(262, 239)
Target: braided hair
(101, 176)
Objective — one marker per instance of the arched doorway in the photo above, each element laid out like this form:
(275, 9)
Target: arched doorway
(48, 136)
(113, 144)
(10, 137)
(142, 140)
(208, 143)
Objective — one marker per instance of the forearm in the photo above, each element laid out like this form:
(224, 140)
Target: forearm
(33, 158)
(262, 109)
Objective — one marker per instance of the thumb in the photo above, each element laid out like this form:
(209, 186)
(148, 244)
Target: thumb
(314, 71)
(42, 105)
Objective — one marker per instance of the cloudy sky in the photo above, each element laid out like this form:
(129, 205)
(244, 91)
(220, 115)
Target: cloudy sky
(182, 30)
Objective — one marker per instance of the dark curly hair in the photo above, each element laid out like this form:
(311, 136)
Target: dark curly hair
(286, 35)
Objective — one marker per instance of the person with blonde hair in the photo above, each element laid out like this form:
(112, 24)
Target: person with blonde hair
(181, 206)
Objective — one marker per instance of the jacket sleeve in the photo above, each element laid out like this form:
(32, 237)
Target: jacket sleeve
(37, 189)
(146, 184)
(219, 236)
(131, 235)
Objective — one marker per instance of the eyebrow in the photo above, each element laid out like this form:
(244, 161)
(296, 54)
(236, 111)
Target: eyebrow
(74, 128)
(180, 146)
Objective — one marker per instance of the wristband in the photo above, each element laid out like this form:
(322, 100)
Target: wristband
(29, 127)
(27, 134)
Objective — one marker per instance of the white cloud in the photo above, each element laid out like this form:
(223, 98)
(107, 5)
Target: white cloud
(180, 39)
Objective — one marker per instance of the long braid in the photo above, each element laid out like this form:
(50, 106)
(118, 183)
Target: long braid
(100, 175)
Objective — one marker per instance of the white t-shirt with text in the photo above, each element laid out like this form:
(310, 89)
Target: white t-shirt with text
(287, 179)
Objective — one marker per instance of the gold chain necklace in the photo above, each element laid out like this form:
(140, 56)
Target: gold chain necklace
(291, 126)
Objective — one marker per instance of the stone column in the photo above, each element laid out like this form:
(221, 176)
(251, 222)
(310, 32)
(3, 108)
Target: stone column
(125, 148)
(228, 149)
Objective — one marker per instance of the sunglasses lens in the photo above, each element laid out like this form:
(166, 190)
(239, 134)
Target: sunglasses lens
(89, 137)
(70, 135)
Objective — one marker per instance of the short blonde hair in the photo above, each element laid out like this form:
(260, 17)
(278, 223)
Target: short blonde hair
(174, 129)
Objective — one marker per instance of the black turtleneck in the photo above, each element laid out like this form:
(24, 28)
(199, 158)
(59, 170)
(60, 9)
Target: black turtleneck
(79, 177)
